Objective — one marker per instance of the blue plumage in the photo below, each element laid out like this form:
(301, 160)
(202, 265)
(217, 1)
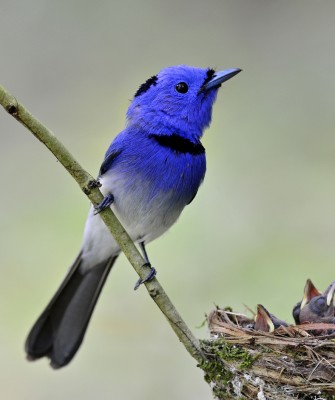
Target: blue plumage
(151, 171)
(161, 109)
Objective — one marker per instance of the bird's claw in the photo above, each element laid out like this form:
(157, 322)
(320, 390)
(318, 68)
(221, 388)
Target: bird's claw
(93, 184)
(148, 278)
(106, 202)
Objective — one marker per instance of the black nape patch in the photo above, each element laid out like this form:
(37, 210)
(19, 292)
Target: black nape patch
(146, 85)
(209, 76)
(179, 144)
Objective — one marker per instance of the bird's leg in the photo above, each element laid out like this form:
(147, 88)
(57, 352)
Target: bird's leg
(106, 202)
(152, 272)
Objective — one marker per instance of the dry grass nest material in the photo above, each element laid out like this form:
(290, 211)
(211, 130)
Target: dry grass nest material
(290, 363)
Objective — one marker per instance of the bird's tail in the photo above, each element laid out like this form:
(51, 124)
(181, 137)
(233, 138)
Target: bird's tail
(61, 327)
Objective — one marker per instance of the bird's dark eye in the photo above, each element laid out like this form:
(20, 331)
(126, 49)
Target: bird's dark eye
(321, 303)
(182, 87)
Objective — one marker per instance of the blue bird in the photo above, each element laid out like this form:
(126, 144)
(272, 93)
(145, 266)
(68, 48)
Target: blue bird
(151, 171)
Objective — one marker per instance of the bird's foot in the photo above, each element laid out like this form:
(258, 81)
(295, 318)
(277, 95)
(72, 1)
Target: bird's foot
(106, 202)
(94, 184)
(148, 278)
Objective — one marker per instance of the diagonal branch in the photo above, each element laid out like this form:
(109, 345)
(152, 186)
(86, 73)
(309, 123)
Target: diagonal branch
(91, 188)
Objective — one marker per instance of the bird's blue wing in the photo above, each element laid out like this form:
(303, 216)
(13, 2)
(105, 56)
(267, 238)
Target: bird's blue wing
(108, 161)
(192, 198)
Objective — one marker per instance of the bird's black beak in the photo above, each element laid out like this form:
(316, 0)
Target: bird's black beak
(220, 77)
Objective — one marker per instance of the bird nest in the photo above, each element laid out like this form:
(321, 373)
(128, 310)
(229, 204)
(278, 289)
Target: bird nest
(289, 363)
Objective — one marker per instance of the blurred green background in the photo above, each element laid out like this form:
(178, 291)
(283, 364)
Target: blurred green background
(261, 224)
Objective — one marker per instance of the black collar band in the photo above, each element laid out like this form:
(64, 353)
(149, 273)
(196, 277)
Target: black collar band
(179, 144)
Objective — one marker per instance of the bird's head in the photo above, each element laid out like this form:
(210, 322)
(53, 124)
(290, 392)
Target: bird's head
(265, 321)
(310, 291)
(178, 99)
(319, 307)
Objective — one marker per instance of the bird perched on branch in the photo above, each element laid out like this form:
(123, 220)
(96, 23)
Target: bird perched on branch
(151, 171)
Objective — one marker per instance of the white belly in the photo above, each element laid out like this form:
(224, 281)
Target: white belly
(145, 217)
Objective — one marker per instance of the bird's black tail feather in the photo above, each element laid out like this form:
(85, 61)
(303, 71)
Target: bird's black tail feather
(60, 329)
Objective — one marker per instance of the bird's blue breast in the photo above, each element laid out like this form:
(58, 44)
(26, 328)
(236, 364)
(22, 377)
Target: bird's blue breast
(176, 165)
(158, 164)
(152, 179)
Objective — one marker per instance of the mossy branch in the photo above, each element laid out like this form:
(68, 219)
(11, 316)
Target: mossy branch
(91, 188)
